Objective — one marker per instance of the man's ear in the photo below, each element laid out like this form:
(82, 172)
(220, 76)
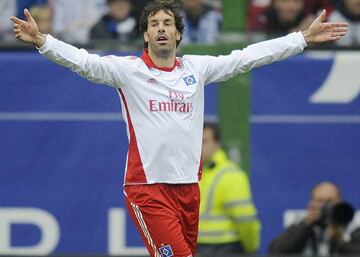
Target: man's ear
(178, 36)
(146, 37)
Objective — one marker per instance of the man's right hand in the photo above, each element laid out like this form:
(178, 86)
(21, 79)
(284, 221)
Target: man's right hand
(28, 31)
(313, 213)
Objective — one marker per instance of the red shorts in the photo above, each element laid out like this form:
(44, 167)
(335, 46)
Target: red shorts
(166, 216)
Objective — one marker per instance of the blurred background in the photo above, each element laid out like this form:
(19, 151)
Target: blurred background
(63, 141)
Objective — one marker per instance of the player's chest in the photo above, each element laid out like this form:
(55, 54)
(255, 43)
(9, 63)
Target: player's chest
(178, 84)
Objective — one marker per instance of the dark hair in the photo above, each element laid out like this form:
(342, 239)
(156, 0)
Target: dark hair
(215, 129)
(171, 7)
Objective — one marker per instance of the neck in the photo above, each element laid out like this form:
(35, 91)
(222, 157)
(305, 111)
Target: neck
(163, 59)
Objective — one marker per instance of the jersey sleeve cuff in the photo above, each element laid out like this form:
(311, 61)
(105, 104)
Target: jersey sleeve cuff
(301, 39)
(47, 46)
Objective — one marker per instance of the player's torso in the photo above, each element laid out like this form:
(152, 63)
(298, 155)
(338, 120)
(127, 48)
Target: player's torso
(166, 110)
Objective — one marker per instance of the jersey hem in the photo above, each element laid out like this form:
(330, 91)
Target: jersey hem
(162, 182)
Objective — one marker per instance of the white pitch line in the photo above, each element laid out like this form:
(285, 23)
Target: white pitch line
(60, 116)
(70, 116)
(332, 119)
(116, 116)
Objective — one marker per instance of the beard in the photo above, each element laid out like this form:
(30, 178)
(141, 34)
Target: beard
(164, 51)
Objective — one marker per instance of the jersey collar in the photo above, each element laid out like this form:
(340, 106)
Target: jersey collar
(147, 60)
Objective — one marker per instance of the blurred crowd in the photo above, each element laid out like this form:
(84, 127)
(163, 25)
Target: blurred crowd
(85, 21)
(278, 17)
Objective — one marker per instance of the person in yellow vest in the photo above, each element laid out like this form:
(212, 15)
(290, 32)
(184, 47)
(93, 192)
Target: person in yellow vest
(228, 218)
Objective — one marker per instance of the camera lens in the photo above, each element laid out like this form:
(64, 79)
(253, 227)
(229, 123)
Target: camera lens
(342, 214)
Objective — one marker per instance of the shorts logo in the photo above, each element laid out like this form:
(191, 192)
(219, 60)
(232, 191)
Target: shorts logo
(189, 80)
(166, 251)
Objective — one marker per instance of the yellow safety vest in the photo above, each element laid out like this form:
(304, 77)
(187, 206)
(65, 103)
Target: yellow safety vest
(227, 213)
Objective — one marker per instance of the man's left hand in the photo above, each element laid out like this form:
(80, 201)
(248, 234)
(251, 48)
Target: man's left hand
(321, 31)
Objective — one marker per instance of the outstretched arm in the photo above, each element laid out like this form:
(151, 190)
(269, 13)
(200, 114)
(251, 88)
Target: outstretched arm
(97, 69)
(320, 31)
(239, 61)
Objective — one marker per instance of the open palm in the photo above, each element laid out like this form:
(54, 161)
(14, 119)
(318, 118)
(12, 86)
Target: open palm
(321, 31)
(26, 31)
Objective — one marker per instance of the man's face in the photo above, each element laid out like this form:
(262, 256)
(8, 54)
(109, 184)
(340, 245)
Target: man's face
(288, 10)
(210, 145)
(161, 34)
(324, 193)
(353, 6)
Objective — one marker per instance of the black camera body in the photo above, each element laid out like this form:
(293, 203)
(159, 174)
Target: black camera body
(340, 214)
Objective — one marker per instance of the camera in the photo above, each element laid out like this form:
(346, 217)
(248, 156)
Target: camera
(340, 214)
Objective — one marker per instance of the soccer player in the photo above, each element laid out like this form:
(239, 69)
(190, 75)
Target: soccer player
(162, 98)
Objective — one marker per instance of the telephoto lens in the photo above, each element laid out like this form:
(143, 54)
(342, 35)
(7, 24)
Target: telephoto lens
(342, 214)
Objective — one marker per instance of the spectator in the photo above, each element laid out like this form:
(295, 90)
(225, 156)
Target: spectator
(8, 8)
(321, 232)
(349, 11)
(74, 19)
(14, 7)
(312, 7)
(202, 23)
(43, 16)
(257, 8)
(22, 4)
(117, 24)
(255, 19)
(228, 223)
(216, 4)
(137, 7)
(282, 17)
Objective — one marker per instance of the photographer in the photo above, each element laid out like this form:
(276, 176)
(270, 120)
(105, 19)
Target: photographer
(321, 232)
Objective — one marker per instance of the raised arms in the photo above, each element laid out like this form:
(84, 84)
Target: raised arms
(239, 61)
(97, 69)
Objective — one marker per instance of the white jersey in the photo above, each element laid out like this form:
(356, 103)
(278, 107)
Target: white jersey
(164, 108)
